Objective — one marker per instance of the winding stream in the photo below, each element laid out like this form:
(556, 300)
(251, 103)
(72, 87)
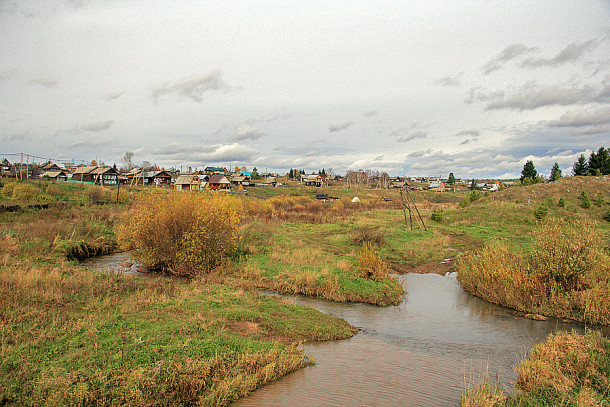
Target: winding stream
(421, 352)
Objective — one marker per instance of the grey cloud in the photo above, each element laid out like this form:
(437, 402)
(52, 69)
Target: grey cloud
(468, 141)
(572, 52)
(338, 127)
(477, 95)
(532, 96)
(45, 82)
(91, 127)
(112, 95)
(450, 80)
(6, 75)
(511, 52)
(418, 154)
(192, 88)
(247, 132)
(371, 113)
(416, 135)
(210, 153)
(472, 132)
(582, 118)
(26, 135)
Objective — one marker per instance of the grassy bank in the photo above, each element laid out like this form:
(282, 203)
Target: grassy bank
(70, 336)
(567, 369)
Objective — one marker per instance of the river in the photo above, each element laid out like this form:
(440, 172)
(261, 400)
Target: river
(422, 352)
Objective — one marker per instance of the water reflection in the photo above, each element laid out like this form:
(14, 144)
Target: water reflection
(418, 353)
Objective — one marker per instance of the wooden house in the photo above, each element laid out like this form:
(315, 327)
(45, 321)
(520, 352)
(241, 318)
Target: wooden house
(218, 181)
(83, 174)
(313, 180)
(216, 170)
(437, 186)
(187, 183)
(240, 180)
(105, 176)
(54, 176)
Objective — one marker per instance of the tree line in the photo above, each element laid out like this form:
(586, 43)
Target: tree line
(597, 164)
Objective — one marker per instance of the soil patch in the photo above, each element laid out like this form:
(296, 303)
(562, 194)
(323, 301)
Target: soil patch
(433, 267)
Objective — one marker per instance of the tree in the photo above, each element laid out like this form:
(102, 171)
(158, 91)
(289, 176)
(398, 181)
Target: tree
(451, 180)
(291, 174)
(585, 202)
(472, 184)
(555, 173)
(599, 161)
(254, 173)
(529, 171)
(127, 160)
(93, 163)
(580, 167)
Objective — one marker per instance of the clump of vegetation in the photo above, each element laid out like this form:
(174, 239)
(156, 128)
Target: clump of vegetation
(188, 235)
(437, 215)
(585, 202)
(599, 199)
(541, 211)
(566, 369)
(607, 216)
(371, 265)
(369, 236)
(475, 196)
(98, 194)
(567, 274)
(561, 203)
(464, 202)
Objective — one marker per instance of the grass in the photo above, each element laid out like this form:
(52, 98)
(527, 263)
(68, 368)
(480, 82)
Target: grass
(568, 369)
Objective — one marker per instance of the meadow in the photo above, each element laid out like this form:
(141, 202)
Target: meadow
(197, 332)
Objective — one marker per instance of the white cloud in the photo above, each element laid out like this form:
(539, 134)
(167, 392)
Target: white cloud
(191, 88)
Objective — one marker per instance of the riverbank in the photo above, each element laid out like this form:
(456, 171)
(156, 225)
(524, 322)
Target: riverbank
(566, 369)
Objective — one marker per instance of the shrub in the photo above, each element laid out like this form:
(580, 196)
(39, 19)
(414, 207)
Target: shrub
(437, 215)
(541, 211)
(585, 202)
(24, 192)
(599, 199)
(561, 203)
(567, 251)
(186, 233)
(475, 195)
(97, 194)
(464, 202)
(369, 235)
(372, 266)
(53, 190)
(607, 216)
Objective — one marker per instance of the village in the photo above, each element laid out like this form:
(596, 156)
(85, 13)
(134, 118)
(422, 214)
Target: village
(221, 178)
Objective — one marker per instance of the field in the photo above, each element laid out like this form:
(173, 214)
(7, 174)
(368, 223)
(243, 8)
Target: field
(202, 334)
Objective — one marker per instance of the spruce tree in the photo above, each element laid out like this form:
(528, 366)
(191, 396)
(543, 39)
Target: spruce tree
(580, 167)
(291, 174)
(529, 171)
(451, 180)
(555, 173)
(599, 161)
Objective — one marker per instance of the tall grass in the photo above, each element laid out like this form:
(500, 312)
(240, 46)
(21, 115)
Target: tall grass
(568, 369)
(567, 274)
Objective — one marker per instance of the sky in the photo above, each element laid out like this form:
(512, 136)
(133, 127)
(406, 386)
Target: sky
(413, 88)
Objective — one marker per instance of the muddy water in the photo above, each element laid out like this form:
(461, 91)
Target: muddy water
(117, 263)
(419, 353)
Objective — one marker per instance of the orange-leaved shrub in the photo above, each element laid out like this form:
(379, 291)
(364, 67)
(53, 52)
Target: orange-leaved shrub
(184, 233)
(371, 265)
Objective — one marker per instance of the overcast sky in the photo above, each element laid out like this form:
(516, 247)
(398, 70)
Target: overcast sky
(409, 87)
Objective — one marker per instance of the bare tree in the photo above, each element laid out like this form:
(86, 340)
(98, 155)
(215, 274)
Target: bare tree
(127, 160)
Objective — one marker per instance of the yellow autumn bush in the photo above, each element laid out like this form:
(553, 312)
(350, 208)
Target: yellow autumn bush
(188, 234)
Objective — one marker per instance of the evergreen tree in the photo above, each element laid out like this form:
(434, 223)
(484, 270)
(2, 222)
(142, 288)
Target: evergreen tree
(580, 167)
(599, 161)
(472, 184)
(451, 180)
(529, 171)
(555, 173)
(291, 174)
(585, 202)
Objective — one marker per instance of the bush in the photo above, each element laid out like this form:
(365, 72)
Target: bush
(607, 216)
(97, 194)
(585, 202)
(369, 235)
(541, 211)
(188, 234)
(599, 199)
(372, 266)
(24, 192)
(464, 202)
(437, 215)
(475, 196)
(561, 203)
